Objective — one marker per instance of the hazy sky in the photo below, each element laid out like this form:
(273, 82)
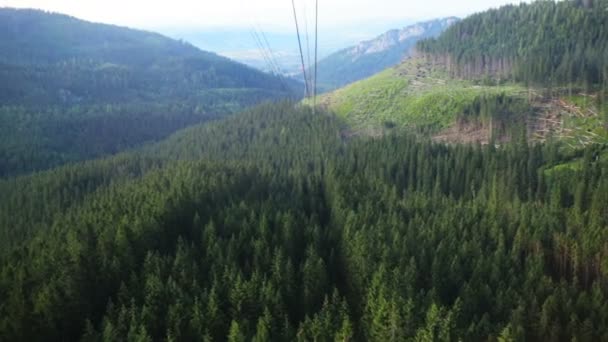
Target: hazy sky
(271, 14)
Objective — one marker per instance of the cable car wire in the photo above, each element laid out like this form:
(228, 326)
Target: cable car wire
(314, 89)
(295, 17)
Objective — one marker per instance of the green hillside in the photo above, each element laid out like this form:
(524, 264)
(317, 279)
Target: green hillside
(73, 90)
(270, 225)
(483, 79)
(410, 95)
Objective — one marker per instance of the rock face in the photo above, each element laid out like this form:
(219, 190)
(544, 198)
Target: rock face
(369, 57)
(395, 38)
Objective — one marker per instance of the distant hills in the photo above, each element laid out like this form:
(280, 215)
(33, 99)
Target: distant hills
(73, 90)
(239, 44)
(372, 56)
(51, 58)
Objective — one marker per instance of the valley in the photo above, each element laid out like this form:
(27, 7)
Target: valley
(153, 191)
(72, 90)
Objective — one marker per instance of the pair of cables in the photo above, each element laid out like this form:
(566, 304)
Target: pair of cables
(309, 72)
(310, 83)
(259, 37)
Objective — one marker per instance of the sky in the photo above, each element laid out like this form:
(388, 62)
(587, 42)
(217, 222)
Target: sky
(271, 15)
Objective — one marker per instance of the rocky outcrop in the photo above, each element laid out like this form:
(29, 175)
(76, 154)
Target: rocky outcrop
(394, 38)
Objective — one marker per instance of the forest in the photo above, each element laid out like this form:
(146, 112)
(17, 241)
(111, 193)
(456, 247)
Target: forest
(151, 191)
(541, 43)
(72, 90)
(50, 59)
(272, 225)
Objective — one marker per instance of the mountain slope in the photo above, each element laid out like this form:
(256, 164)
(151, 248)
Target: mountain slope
(52, 58)
(270, 226)
(372, 56)
(73, 90)
(418, 97)
(545, 42)
(278, 225)
(470, 83)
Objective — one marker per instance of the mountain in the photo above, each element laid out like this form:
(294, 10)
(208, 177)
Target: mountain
(73, 90)
(278, 224)
(420, 98)
(493, 73)
(372, 56)
(50, 58)
(240, 45)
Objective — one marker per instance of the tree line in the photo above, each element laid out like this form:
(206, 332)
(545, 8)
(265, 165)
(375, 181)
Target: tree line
(542, 43)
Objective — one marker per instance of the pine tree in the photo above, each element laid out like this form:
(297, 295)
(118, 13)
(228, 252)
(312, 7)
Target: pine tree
(264, 327)
(235, 334)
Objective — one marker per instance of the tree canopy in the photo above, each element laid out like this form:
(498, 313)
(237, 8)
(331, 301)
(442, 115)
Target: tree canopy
(544, 42)
(273, 225)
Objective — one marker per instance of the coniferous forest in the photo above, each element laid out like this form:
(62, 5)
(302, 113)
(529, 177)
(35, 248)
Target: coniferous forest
(273, 226)
(545, 42)
(71, 90)
(162, 218)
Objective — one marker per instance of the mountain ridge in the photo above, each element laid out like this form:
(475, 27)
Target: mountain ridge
(54, 51)
(371, 56)
(396, 36)
(72, 90)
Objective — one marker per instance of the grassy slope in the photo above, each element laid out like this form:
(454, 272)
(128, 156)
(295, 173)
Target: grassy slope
(408, 95)
(417, 95)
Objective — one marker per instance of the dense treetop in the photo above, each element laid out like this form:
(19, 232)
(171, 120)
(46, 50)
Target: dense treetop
(543, 42)
(273, 225)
